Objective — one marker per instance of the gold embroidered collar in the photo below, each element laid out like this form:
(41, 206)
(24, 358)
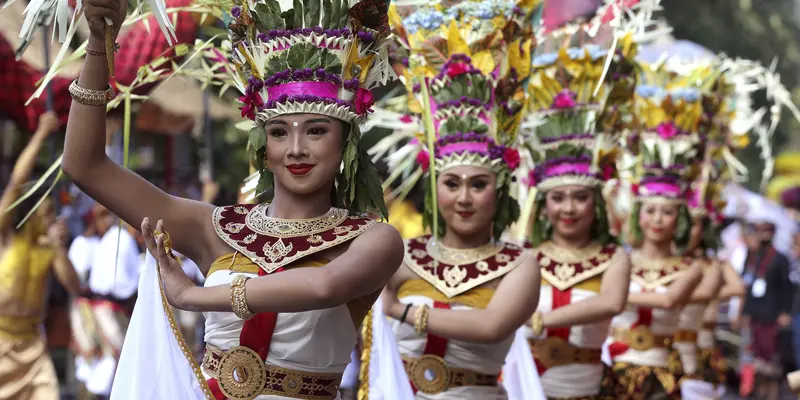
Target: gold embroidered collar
(455, 271)
(564, 268)
(652, 273)
(272, 243)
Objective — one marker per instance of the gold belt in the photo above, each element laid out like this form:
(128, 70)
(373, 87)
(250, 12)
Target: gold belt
(243, 375)
(685, 336)
(20, 328)
(555, 352)
(430, 374)
(641, 338)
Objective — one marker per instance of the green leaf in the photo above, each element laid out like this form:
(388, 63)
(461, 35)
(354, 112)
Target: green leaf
(265, 181)
(277, 64)
(326, 13)
(303, 55)
(337, 8)
(298, 14)
(263, 16)
(311, 12)
(258, 138)
(344, 14)
(288, 17)
(331, 63)
(275, 13)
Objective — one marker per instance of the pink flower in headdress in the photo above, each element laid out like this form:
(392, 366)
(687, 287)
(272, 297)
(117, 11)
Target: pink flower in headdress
(252, 101)
(456, 69)
(564, 99)
(608, 172)
(364, 101)
(531, 179)
(635, 188)
(667, 130)
(424, 160)
(406, 119)
(511, 157)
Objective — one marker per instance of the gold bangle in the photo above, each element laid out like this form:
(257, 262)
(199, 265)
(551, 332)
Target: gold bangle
(238, 300)
(537, 323)
(89, 97)
(421, 320)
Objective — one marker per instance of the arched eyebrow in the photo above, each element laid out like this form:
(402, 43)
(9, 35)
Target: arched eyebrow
(277, 122)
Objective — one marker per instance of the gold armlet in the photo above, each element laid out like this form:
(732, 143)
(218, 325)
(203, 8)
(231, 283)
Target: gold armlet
(238, 301)
(90, 97)
(537, 323)
(421, 319)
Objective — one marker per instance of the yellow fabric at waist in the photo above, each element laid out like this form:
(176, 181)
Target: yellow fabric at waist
(236, 262)
(475, 298)
(592, 284)
(19, 327)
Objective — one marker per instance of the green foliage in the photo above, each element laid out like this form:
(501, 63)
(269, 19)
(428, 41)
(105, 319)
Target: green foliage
(472, 86)
(567, 123)
(267, 16)
(507, 208)
(462, 125)
(304, 55)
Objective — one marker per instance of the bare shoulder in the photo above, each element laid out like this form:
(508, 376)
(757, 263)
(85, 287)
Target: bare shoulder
(527, 265)
(621, 258)
(381, 239)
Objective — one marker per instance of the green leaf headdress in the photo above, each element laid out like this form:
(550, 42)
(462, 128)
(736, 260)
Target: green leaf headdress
(312, 57)
(465, 70)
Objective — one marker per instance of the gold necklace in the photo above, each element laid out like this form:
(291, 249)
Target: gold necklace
(259, 222)
(447, 255)
(569, 255)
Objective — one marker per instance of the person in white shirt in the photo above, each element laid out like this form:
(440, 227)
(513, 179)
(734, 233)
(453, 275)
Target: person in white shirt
(113, 281)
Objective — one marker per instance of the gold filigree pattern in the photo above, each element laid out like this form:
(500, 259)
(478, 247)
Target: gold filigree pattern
(272, 243)
(455, 271)
(259, 222)
(563, 268)
(653, 273)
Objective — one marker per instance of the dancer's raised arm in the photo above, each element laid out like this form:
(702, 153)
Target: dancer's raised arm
(123, 192)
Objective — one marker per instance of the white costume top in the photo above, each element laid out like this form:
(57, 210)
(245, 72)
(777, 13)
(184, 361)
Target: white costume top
(474, 267)
(649, 276)
(571, 276)
(81, 254)
(690, 319)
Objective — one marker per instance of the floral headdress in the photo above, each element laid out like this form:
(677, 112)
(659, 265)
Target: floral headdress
(465, 70)
(314, 57)
(581, 92)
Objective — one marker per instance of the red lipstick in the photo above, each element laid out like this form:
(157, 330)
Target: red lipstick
(569, 221)
(466, 214)
(299, 169)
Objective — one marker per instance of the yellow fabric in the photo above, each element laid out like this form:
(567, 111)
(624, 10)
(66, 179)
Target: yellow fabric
(238, 263)
(26, 371)
(24, 269)
(475, 298)
(406, 219)
(780, 184)
(592, 284)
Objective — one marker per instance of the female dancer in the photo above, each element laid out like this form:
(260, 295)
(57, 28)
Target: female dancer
(462, 293)
(661, 280)
(27, 256)
(287, 283)
(582, 267)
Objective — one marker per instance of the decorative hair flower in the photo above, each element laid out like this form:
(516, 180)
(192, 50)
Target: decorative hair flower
(564, 99)
(667, 130)
(364, 101)
(424, 160)
(252, 102)
(456, 69)
(511, 158)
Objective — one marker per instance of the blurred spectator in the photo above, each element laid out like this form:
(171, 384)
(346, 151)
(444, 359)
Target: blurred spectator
(766, 305)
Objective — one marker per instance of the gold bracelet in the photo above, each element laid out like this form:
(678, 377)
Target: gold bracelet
(238, 301)
(421, 320)
(537, 323)
(89, 97)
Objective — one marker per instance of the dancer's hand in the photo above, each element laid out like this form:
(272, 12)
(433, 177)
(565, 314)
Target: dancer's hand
(57, 234)
(176, 283)
(98, 10)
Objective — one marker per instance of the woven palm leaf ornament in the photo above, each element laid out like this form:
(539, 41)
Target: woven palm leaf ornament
(581, 91)
(463, 75)
(312, 57)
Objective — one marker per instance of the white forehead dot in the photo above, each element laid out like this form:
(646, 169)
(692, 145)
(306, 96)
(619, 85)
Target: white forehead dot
(295, 124)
